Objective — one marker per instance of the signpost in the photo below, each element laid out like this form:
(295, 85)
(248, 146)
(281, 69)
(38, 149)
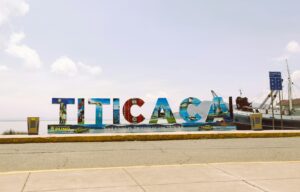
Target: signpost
(275, 81)
(275, 85)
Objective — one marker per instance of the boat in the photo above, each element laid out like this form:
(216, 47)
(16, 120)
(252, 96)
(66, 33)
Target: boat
(206, 128)
(273, 117)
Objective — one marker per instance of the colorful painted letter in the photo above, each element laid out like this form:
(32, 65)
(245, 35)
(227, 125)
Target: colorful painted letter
(218, 110)
(63, 102)
(127, 110)
(80, 116)
(183, 111)
(218, 106)
(162, 110)
(99, 109)
(116, 111)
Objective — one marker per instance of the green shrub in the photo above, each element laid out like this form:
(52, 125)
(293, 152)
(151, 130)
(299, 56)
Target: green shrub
(12, 132)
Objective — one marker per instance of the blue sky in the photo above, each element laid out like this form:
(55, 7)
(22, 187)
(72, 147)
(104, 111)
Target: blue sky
(148, 49)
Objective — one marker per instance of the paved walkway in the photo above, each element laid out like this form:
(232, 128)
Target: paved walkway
(216, 177)
(46, 156)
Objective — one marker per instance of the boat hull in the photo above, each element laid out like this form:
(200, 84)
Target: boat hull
(243, 123)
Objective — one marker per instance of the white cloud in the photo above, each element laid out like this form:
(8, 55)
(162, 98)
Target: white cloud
(296, 81)
(3, 68)
(16, 49)
(66, 66)
(12, 8)
(93, 70)
(296, 76)
(293, 47)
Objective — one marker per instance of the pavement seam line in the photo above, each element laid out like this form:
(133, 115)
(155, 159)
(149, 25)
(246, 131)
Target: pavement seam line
(195, 182)
(278, 179)
(162, 150)
(223, 171)
(238, 177)
(127, 172)
(81, 188)
(255, 186)
(27, 178)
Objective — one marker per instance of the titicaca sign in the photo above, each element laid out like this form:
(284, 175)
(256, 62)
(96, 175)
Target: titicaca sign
(161, 111)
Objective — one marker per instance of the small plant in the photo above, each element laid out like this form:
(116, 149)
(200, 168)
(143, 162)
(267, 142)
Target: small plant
(12, 132)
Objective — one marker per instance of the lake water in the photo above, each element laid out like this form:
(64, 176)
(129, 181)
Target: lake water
(21, 126)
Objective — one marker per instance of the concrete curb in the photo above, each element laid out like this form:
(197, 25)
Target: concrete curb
(146, 136)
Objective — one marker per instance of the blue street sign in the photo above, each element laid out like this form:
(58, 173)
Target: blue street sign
(275, 81)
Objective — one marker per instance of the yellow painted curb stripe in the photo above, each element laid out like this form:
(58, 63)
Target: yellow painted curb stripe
(145, 137)
(149, 166)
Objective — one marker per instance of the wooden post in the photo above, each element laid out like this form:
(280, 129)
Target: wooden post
(280, 109)
(231, 108)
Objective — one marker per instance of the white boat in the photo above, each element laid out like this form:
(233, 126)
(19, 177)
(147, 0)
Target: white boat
(273, 117)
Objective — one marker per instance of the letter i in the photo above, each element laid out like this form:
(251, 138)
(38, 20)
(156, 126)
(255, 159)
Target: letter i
(80, 116)
(116, 111)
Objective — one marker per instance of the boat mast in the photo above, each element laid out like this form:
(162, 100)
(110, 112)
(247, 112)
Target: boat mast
(289, 88)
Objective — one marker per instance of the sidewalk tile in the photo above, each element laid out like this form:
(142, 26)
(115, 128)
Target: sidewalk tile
(177, 174)
(262, 170)
(63, 180)
(280, 185)
(12, 182)
(110, 189)
(237, 186)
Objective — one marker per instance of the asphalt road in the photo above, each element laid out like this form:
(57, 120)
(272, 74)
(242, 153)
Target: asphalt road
(26, 157)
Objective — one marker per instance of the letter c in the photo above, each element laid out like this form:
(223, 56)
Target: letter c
(127, 110)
